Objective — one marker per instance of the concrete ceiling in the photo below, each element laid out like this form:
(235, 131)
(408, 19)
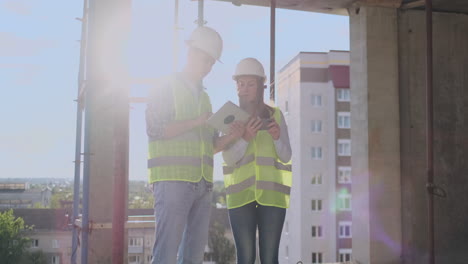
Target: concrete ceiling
(339, 7)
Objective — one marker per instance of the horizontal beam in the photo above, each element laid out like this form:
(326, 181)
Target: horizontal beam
(414, 4)
(381, 3)
(133, 222)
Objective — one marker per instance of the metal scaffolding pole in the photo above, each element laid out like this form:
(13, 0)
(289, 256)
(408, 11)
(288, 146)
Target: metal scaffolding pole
(201, 19)
(176, 36)
(272, 49)
(79, 122)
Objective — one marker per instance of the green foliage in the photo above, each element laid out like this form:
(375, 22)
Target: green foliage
(62, 194)
(35, 257)
(13, 242)
(139, 195)
(219, 193)
(38, 205)
(223, 248)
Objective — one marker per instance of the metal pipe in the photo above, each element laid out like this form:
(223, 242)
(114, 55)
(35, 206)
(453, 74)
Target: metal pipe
(86, 155)
(79, 122)
(86, 168)
(176, 36)
(201, 19)
(429, 129)
(272, 49)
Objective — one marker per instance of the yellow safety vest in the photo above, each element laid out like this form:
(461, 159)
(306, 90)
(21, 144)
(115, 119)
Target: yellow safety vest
(260, 175)
(187, 157)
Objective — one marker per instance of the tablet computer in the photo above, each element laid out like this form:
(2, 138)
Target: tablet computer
(227, 114)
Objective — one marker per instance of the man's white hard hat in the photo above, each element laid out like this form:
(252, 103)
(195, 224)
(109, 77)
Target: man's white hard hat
(249, 66)
(207, 40)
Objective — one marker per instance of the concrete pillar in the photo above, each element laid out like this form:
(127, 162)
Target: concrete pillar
(375, 136)
(106, 116)
(450, 136)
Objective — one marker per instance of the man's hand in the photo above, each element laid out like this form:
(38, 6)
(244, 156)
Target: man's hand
(251, 129)
(274, 130)
(201, 120)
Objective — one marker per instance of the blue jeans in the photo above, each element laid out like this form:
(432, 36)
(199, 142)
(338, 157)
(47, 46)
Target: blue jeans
(244, 222)
(182, 211)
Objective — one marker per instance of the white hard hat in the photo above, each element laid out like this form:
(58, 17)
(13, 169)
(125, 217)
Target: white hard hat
(207, 40)
(249, 66)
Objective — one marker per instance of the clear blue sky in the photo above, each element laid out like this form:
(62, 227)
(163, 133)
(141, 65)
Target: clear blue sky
(39, 56)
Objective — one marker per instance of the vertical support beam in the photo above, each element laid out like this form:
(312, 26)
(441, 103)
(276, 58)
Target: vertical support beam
(106, 133)
(272, 49)
(375, 135)
(430, 130)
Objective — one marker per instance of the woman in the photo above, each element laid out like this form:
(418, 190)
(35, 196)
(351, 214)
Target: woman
(257, 176)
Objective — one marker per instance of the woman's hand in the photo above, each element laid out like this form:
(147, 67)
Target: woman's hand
(251, 129)
(236, 130)
(274, 130)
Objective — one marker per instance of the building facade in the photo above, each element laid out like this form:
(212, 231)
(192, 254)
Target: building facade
(20, 195)
(314, 95)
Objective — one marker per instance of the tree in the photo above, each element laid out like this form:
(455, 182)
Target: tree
(59, 195)
(223, 249)
(13, 241)
(219, 194)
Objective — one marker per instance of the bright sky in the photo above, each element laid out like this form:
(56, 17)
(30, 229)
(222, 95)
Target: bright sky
(39, 56)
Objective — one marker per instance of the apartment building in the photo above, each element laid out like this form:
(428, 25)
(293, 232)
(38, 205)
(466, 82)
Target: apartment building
(313, 93)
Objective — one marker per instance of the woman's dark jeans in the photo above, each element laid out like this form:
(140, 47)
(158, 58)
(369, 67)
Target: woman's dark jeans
(244, 221)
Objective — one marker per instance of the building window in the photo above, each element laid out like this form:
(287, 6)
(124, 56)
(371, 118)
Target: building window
(35, 243)
(343, 95)
(55, 259)
(286, 106)
(345, 229)
(316, 179)
(287, 252)
(55, 243)
(287, 227)
(317, 231)
(316, 126)
(134, 260)
(344, 120)
(148, 258)
(345, 254)
(344, 175)
(316, 153)
(316, 205)
(316, 257)
(344, 202)
(135, 242)
(344, 147)
(316, 100)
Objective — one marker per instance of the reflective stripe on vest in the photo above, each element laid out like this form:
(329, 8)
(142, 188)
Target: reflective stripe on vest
(241, 186)
(179, 160)
(264, 185)
(261, 161)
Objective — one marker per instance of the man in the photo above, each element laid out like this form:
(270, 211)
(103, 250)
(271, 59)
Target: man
(181, 147)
